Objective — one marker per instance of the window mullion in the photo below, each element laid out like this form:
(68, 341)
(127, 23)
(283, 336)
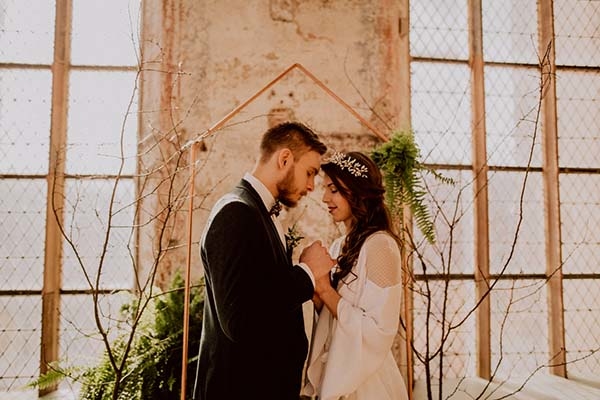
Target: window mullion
(56, 185)
(480, 172)
(404, 119)
(556, 332)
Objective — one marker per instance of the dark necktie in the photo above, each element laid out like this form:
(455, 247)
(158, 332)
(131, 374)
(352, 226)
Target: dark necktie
(275, 209)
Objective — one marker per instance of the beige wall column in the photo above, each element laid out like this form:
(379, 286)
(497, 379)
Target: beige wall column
(162, 136)
(556, 324)
(480, 171)
(56, 185)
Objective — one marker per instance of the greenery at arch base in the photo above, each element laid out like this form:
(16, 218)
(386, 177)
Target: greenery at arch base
(153, 366)
(153, 369)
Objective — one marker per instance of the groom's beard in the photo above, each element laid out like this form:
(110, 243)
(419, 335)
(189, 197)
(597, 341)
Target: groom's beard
(287, 188)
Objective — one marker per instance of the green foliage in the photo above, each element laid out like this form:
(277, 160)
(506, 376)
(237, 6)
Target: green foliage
(153, 367)
(402, 172)
(55, 374)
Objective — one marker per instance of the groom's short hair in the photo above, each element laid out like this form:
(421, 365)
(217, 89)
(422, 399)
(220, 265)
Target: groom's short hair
(295, 136)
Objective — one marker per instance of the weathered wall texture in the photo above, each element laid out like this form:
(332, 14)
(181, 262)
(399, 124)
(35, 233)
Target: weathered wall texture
(204, 58)
(201, 59)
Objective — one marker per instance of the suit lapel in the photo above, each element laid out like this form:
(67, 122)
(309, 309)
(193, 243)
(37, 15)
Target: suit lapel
(250, 194)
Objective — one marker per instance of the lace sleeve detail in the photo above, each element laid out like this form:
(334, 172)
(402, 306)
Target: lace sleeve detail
(382, 260)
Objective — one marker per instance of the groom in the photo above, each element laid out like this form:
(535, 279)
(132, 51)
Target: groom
(253, 343)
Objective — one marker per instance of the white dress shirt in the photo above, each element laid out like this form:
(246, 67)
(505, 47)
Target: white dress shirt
(268, 200)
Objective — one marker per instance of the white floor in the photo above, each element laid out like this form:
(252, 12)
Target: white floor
(539, 387)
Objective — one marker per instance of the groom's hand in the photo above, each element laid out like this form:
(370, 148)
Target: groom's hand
(318, 260)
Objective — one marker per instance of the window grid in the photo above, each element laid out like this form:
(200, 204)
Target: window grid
(502, 60)
(34, 131)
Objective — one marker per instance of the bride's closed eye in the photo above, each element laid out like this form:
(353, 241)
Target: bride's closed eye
(331, 187)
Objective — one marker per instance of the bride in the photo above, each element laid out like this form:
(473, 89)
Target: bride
(359, 306)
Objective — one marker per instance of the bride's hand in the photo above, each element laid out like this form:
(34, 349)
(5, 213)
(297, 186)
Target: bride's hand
(318, 260)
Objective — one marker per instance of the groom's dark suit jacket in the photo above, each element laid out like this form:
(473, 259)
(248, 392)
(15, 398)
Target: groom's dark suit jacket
(253, 343)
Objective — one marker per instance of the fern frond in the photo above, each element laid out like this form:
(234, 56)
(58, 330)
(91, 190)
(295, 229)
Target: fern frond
(439, 177)
(399, 161)
(53, 377)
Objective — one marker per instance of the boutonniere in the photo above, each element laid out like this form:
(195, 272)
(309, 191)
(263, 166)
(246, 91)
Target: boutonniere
(292, 238)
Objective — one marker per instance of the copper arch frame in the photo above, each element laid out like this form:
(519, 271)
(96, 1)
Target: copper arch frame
(192, 163)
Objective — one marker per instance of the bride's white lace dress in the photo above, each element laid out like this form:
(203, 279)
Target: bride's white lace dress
(351, 356)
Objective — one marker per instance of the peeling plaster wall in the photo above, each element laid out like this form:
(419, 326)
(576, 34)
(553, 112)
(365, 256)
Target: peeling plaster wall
(204, 58)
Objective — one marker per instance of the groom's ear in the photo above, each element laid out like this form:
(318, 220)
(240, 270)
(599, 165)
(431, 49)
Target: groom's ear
(284, 158)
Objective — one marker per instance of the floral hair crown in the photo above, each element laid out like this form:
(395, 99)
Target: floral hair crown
(348, 163)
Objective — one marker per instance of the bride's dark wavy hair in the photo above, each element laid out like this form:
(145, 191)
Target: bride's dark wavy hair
(366, 198)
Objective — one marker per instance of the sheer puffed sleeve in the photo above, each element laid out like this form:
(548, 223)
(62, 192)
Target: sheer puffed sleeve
(368, 318)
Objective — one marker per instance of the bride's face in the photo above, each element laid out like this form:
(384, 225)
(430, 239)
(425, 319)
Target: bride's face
(338, 206)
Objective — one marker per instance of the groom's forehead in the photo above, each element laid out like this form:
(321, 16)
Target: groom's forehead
(311, 159)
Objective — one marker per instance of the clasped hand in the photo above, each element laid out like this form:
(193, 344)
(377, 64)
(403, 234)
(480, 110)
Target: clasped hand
(318, 259)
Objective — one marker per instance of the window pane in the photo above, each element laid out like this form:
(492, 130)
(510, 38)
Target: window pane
(20, 339)
(105, 32)
(27, 31)
(441, 112)
(25, 104)
(23, 231)
(519, 329)
(510, 31)
(99, 103)
(451, 208)
(527, 254)
(80, 342)
(576, 25)
(579, 118)
(511, 109)
(459, 346)
(438, 29)
(86, 224)
(580, 219)
(582, 332)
